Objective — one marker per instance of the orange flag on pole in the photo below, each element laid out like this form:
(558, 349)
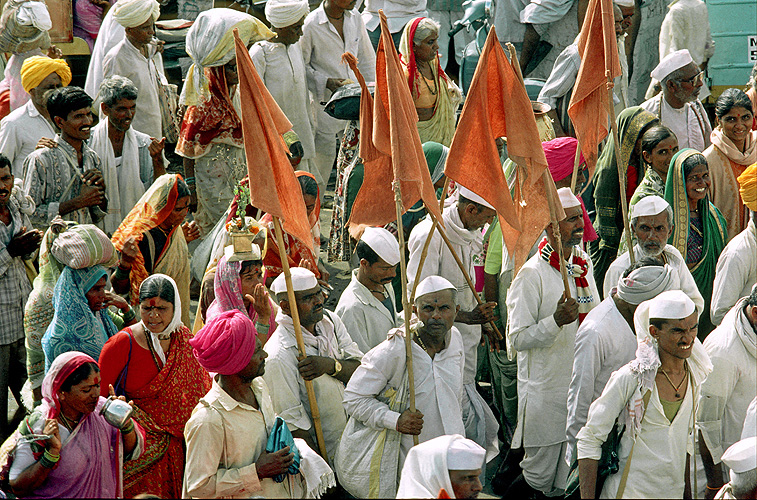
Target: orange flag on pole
(590, 103)
(273, 186)
(389, 143)
(497, 105)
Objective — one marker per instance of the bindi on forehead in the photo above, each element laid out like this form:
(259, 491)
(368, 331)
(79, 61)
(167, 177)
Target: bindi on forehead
(153, 302)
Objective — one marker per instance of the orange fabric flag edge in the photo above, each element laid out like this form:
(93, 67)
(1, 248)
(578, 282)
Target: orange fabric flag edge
(273, 185)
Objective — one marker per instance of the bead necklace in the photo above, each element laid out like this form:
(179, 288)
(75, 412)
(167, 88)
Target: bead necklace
(677, 387)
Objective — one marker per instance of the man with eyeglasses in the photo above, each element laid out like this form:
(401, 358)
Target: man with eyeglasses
(678, 105)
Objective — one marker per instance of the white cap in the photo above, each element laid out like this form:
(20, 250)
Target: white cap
(383, 243)
(671, 62)
(672, 304)
(433, 284)
(649, 205)
(464, 454)
(283, 13)
(302, 279)
(741, 456)
(567, 198)
(470, 195)
(625, 3)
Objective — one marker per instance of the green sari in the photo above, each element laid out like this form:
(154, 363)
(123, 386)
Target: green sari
(714, 233)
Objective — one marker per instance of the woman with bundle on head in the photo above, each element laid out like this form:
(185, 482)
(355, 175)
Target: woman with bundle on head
(152, 364)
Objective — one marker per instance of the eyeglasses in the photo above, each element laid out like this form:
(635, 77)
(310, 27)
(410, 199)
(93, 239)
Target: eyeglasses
(694, 80)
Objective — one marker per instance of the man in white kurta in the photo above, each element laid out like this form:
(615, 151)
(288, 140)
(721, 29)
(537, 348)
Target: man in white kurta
(606, 341)
(332, 357)
(736, 271)
(730, 388)
(651, 225)
(462, 223)
(279, 63)
(367, 306)
(135, 58)
(376, 396)
(542, 330)
(322, 49)
(678, 106)
(687, 26)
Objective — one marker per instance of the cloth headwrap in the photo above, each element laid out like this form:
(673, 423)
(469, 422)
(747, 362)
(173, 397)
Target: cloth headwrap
(748, 187)
(413, 76)
(645, 283)
(210, 43)
(465, 454)
(578, 268)
(34, 14)
(63, 366)
(432, 284)
(567, 198)
(436, 157)
(37, 68)
(470, 195)
(175, 323)
(383, 243)
(283, 13)
(671, 62)
(649, 206)
(426, 471)
(302, 279)
(226, 343)
(133, 13)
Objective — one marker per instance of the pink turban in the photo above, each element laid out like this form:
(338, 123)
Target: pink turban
(226, 343)
(561, 154)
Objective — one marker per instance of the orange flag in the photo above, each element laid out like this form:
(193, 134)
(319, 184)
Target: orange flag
(389, 143)
(273, 185)
(590, 103)
(497, 105)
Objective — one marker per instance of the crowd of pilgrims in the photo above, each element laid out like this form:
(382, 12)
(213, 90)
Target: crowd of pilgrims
(641, 382)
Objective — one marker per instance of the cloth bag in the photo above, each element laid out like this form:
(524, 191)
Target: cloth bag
(280, 438)
(168, 98)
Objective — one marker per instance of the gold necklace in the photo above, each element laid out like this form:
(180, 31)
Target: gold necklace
(678, 387)
(69, 425)
(436, 88)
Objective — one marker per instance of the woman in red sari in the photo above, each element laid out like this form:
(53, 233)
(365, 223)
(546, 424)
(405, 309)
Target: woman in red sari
(152, 364)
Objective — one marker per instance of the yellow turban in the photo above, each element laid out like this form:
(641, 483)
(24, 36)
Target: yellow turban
(37, 68)
(748, 187)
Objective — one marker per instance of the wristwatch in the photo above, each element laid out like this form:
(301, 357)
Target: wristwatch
(337, 368)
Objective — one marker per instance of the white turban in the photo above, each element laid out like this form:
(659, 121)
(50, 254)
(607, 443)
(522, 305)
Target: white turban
(645, 283)
(133, 13)
(283, 13)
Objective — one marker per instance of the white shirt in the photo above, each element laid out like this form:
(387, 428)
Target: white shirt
(735, 273)
(20, 132)
(398, 13)
(682, 279)
(689, 123)
(687, 26)
(126, 60)
(289, 395)
(604, 343)
(283, 71)
(545, 350)
(364, 316)
(732, 384)
(322, 50)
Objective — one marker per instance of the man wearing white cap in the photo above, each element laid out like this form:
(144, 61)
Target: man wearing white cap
(367, 306)
(654, 395)
(741, 458)
(331, 359)
(730, 388)
(449, 463)
(279, 63)
(376, 397)
(606, 341)
(134, 58)
(462, 222)
(678, 106)
(651, 225)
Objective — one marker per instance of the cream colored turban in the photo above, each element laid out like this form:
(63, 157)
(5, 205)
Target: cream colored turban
(133, 13)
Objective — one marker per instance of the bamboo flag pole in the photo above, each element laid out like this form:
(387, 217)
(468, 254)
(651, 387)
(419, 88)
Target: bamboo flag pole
(576, 163)
(621, 172)
(314, 413)
(428, 240)
(405, 303)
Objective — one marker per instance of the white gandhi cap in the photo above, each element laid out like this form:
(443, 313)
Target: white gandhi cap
(464, 454)
(671, 62)
(673, 304)
(649, 205)
(433, 284)
(383, 243)
(302, 279)
(742, 456)
(470, 195)
(567, 198)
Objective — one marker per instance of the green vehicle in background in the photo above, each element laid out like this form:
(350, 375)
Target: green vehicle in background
(733, 25)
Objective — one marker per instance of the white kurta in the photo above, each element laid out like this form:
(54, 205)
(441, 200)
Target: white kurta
(20, 132)
(732, 384)
(735, 273)
(658, 464)
(283, 71)
(545, 351)
(289, 396)
(687, 26)
(366, 319)
(398, 12)
(689, 123)
(126, 60)
(604, 343)
(682, 280)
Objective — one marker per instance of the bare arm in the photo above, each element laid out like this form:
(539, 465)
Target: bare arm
(713, 471)
(587, 477)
